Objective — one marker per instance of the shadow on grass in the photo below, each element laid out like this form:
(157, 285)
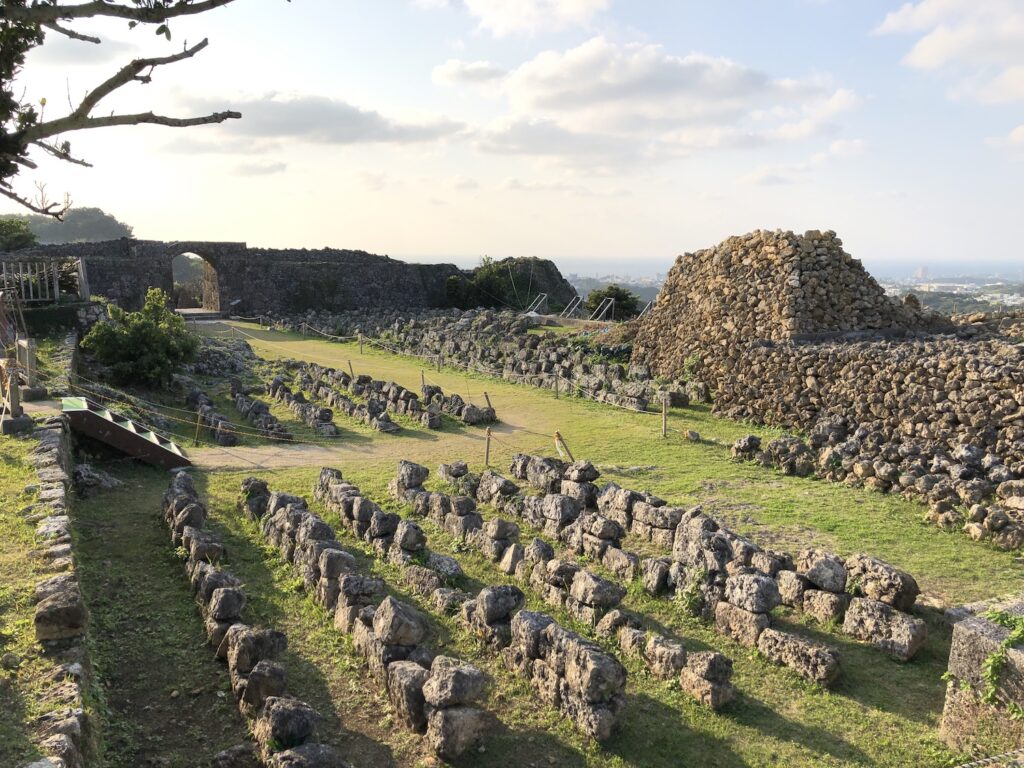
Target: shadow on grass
(275, 599)
(913, 690)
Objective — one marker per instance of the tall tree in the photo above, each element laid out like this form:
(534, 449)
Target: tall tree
(80, 225)
(15, 234)
(23, 26)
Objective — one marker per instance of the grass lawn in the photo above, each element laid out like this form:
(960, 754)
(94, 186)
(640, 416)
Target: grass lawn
(21, 690)
(148, 640)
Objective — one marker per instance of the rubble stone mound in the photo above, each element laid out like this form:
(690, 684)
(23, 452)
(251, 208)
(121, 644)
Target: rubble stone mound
(776, 286)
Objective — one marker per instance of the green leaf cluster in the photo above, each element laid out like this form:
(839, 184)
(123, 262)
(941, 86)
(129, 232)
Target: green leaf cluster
(142, 347)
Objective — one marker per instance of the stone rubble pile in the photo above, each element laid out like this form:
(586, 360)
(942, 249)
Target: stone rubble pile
(316, 417)
(435, 695)
(964, 489)
(585, 595)
(218, 357)
(791, 331)
(284, 727)
(723, 576)
(257, 413)
(568, 672)
(486, 341)
(455, 406)
(60, 618)
(224, 432)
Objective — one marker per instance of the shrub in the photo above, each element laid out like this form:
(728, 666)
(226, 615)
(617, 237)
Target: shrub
(627, 303)
(142, 347)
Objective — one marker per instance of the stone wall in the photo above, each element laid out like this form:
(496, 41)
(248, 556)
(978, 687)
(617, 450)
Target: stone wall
(790, 331)
(258, 280)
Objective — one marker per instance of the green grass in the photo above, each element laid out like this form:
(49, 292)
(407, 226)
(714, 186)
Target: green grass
(776, 511)
(21, 691)
(167, 700)
(879, 713)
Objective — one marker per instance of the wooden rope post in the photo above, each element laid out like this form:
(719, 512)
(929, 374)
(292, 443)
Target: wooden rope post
(664, 414)
(487, 449)
(488, 399)
(560, 439)
(199, 424)
(423, 380)
(556, 386)
(439, 363)
(351, 372)
(360, 343)
(303, 328)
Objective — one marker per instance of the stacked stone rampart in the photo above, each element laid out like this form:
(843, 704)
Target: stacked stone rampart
(789, 330)
(60, 620)
(257, 413)
(432, 694)
(223, 431)
(284, 727)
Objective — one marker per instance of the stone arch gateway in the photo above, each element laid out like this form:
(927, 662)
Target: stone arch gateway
(258, 280)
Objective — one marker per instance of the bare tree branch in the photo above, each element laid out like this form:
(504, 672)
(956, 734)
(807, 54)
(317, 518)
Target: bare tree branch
(61, 154)
(56, 210)
(138, 70)
(44, 14)
(55, 127)
(70, 32)
(130, 72)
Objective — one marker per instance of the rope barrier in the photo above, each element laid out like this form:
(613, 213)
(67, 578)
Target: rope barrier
(993, 760)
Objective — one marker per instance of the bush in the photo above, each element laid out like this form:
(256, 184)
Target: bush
(627, 303)
(142, 347)
(15, 234)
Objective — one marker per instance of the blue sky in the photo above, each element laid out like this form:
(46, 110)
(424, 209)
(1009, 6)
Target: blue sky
(608, 135)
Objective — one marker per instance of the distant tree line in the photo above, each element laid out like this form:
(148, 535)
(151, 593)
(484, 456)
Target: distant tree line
(80, 225)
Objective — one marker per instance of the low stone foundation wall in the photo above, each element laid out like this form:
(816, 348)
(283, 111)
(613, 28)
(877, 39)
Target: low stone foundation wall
(985, 682)
(61, 618)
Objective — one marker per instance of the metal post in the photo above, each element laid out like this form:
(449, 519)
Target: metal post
(488, 399)
(351, 372)
(360, 343)
(664, 414)
(487, 449)
(556, 386)
(423, 380)
(439, 363)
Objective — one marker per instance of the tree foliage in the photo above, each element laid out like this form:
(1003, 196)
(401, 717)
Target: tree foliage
(504, 284)
(23, 129)
(143, 347)
(79, 225)
(627, 303)
(15, 234)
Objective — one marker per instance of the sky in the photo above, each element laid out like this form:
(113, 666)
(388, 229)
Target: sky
(608, 135)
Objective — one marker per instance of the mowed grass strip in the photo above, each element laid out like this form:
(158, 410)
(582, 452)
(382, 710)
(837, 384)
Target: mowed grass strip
(168, 701)
(775, 510)
(881, 713)
(22, 689)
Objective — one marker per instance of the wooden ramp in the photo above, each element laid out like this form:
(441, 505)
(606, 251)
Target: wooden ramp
(122, 433)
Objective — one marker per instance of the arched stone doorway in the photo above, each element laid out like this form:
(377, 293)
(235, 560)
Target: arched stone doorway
(195, 282)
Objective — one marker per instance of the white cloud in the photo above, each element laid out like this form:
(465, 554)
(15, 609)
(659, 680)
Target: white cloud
(505, 17)
(625, 101)
(259, 169)
(979, 43)
(456, 72)
(1013, 141)
(321, 120)
(796, 173)
(62, 51)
